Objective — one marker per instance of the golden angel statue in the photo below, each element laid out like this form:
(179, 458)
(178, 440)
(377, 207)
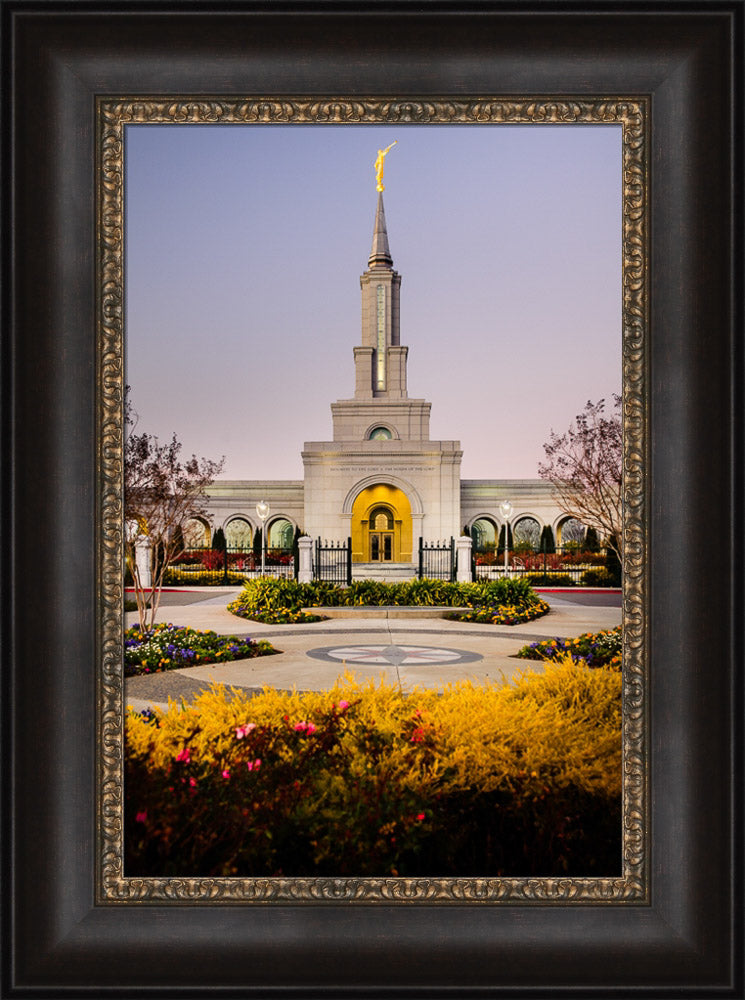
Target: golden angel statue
(380, 163)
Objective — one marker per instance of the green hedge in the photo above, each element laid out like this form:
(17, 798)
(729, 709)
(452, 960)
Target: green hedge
(262, 595)
(549, 579)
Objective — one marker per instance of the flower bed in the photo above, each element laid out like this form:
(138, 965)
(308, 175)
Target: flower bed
(169, 647)
(594, 649)
(274, 616)
(497, 779)
(503, 615)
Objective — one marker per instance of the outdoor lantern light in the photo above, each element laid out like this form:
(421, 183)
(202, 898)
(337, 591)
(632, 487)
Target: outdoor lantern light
(262, 509)
(506, 509)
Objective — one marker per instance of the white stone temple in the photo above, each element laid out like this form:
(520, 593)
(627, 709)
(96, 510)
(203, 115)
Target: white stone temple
(381, 480)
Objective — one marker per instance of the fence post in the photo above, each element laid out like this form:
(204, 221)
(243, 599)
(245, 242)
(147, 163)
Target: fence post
(464, 569)
(421, 557)
(349, 561)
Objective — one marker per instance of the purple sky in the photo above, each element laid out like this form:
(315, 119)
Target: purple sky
(243, 250)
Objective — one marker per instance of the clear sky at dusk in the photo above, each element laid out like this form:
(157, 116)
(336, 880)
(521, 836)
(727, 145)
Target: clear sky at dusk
(243, 251)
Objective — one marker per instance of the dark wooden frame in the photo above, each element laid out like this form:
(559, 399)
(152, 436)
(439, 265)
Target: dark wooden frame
(688, 57)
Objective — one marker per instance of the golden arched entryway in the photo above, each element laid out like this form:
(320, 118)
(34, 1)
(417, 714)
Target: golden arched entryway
(381, 525)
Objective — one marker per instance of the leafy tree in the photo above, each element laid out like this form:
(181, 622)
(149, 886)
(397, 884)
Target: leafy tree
(161, 493)
(585, 467)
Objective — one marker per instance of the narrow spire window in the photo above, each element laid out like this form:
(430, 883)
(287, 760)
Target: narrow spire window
(381, 351)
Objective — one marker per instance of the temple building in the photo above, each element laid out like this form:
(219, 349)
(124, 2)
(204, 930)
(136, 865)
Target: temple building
(381, 480)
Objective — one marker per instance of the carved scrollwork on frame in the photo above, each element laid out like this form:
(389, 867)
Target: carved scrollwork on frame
(112, 117)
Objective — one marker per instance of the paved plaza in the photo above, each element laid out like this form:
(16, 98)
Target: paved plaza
(410, 647)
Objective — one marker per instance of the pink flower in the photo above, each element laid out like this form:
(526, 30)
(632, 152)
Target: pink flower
(420, 816)
(193, 782)
(304, 727)
(242, 731)
(253, 765)
(141, 817)
(226, 774)
(184, 755)
(418, 735)
(343, 705)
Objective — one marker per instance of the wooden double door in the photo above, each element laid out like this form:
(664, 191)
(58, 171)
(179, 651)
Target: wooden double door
(381, 535)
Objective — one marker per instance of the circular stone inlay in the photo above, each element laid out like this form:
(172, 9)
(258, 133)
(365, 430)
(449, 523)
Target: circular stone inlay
(399, 656)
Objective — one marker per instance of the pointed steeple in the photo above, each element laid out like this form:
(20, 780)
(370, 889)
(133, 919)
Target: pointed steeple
(380, 254)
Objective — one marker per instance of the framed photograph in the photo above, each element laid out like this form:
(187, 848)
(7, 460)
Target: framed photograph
(669, 920)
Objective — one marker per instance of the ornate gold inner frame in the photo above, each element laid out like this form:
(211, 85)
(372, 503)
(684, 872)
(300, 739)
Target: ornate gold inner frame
(112, 116)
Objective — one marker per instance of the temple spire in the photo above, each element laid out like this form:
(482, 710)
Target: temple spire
(380, 254)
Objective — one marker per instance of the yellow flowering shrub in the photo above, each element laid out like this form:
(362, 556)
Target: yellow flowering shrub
(365, 780)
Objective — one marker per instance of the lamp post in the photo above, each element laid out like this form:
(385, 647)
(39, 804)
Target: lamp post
(506, 508)
(262, 509)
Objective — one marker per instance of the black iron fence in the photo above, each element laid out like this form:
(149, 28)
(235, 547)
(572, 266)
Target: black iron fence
(437, 560)
(199, 567)
(567, 565)
(332, 561)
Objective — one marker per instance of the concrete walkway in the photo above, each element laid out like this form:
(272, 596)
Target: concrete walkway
(415, 650)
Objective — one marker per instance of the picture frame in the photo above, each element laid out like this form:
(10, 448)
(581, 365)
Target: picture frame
(624, 877)
(685, 936)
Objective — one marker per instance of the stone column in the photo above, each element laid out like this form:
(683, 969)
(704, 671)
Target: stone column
(305, 561)
(463, 554)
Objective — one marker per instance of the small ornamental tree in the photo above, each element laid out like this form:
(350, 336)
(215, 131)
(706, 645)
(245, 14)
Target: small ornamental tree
(547, 539)
(161, 493)
(585, 467)
(510, 539)
(218, 540)
(592, 542)
(612, 562)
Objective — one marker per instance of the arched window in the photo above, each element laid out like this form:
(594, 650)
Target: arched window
(483, 534)
(281, 534)
(381, 519)
(380, 434)
(527, 531)
(571, 532)
(238, 533)
(196, 534)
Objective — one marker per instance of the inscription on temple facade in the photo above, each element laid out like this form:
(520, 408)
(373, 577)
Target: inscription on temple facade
(383, 468)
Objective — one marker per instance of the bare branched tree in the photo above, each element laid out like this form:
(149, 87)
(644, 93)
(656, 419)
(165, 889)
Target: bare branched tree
(161, 494)
(585, 467)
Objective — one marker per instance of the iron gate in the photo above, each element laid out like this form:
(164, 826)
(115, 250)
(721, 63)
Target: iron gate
(333, 561)
(437, 560)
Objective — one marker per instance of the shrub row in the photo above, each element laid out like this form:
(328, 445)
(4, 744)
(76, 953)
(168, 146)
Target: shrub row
(174, 576)
(264, 596)
(519, 780)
